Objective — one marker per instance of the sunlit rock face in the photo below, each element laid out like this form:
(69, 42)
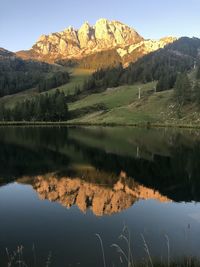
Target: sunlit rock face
(71, 42)
(86, 36)
(104, 35)
(112, 33)
(101, 199)
(133, 52)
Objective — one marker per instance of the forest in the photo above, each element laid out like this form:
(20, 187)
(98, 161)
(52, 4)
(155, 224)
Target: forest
(17, 75)
(44, 107)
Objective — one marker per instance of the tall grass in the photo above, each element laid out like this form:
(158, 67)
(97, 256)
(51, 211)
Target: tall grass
(16, 258)
(126, 255)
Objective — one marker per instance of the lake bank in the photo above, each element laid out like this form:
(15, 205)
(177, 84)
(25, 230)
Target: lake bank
(104, 124)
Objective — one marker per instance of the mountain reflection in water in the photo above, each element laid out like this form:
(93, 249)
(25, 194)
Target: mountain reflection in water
(102, 200)
(167, 161)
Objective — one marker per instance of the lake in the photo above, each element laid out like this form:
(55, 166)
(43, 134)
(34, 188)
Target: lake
(61, 186)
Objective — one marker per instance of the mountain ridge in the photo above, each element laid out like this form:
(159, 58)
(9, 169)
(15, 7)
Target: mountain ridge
(89, 39)
(5, 53)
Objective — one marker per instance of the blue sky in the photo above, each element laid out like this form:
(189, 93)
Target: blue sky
(23, 21)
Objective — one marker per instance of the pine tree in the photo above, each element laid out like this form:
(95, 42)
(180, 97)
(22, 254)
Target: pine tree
(198, 73)
(2, 112)
(182, 90)
(196, 90)
(163, 83)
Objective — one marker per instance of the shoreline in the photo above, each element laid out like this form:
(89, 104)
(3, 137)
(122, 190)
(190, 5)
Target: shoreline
(65, 123)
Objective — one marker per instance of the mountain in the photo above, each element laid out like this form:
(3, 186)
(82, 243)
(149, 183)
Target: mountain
(105, 35)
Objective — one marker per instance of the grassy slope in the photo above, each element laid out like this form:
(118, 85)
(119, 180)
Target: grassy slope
(123, 107)
(11, 100)
(77, 78)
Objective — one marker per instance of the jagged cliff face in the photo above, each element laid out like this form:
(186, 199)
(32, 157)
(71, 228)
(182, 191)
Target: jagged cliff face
(104, 35)
(76, 43)
(102, 200)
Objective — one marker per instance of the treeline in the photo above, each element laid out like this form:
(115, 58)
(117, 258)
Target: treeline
(45, 107)
(185, 91)
(18, 75)
(104, 78)
(56, 79)
(163, 66)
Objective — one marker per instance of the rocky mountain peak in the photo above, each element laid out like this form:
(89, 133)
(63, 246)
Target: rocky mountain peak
(85, 26)
(86, 35)
(105, 35)
(116, 33)
(102, 21)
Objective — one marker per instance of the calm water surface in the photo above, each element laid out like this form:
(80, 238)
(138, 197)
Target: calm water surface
(59, 187)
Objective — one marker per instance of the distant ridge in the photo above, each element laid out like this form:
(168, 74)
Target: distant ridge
(5, 53)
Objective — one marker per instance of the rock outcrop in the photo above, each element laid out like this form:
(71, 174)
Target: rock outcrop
(104, 35)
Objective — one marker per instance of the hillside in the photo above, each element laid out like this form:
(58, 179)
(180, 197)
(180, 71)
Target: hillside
(121, 106)
(77, 78)
(143, 92)
(179, 56)
(17, 75)
(162, 65)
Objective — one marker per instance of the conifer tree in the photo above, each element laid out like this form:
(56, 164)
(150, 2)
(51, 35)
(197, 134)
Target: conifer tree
(182, 90)
(196, 90)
